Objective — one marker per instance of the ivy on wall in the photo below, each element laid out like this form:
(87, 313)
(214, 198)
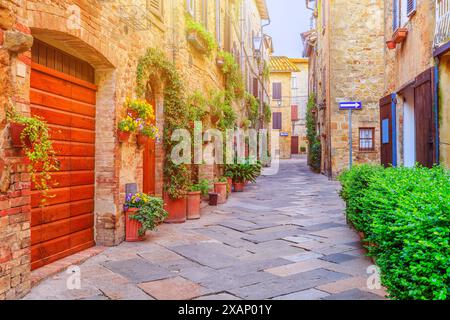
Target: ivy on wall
(314, 143)
(154, 65)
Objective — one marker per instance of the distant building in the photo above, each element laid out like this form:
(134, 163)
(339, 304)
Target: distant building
(346, 49)
(289, 83)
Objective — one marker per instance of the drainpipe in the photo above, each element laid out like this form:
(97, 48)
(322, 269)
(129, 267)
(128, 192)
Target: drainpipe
(263, 87)
(436, 107)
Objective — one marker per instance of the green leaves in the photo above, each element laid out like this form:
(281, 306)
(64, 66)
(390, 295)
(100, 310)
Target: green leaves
(315, 146)
(245, 172)
(405, 213)
(151, 211)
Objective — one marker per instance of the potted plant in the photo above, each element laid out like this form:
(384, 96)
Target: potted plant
(33, 135)
(142, 213)
(391, 44)
(220, 61)
(176, 207)
(126, 127)
(194, 198)
(400, 35)
(199, 37)
(220, 187)
(146, 133)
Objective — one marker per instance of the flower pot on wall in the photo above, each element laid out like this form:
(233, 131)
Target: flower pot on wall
(123, 136)
(194, 39)
(16, 130)
(177, 209)
(220, 62)
(193, 205)
(142, 140)
(391, 44)
(221, 189)
(132, 226)
(400, 35)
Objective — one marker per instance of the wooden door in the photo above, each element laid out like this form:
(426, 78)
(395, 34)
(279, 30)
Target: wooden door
(66, 224)
(149, 185)
(425, 123)
(294, 145)
(387, 131)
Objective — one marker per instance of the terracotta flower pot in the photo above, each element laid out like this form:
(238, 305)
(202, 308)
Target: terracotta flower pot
(123, 136)
(132, 227)
(221, 189)
(213, 199)
(16, 130)
(177, 209)
(391, 44)
(400, 35)
(193, 205)
(220, 62)
(239, 186)
(142, 140)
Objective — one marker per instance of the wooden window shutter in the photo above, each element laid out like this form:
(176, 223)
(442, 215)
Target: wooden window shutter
(277, 120)
(411, 6)
(276, 88)
(396, 15)
(294, 113)
(255, 87)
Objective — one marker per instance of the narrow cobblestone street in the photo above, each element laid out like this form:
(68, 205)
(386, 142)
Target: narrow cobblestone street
(284, 238)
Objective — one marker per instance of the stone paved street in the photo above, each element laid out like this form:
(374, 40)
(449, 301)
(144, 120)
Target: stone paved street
(284, 238)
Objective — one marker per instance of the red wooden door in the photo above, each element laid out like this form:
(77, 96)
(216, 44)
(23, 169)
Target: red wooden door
(424, 115)
(387, 156)
(149, 186)
(294, 145)
(66, 224)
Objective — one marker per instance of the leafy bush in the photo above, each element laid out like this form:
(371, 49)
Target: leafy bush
(314, 143)
(243, 172)
(405, 214)
(202, 186)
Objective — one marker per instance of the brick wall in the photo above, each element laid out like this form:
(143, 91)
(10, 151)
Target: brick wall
(14, 180)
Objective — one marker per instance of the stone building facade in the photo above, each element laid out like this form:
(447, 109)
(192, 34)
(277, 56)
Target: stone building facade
(109, 38)
(346, 51)
(282, 99)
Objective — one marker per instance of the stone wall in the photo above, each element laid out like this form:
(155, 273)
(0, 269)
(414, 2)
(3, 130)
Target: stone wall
(356, 74)
(14, 180)
(112, 36)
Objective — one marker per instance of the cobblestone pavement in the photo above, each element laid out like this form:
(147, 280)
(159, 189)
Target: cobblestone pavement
(284, 238)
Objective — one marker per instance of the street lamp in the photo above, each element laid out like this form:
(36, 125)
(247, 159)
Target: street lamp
(257, 47)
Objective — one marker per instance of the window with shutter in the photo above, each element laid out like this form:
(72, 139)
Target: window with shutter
(255, 87)
(190, 6)
(396, 15)
(218, 23)
(277, 120)
(276, 88)
(294, 113)
(411, 6)
(155, 7)
(205, 13)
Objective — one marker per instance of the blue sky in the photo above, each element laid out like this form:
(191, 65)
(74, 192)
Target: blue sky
(289, 19)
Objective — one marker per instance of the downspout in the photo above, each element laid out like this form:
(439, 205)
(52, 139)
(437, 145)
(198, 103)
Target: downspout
(436, 107)
(263, 87)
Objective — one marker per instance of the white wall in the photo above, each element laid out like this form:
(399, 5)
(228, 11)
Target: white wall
(409, 130)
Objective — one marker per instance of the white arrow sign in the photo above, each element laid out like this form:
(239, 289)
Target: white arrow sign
(350, 105)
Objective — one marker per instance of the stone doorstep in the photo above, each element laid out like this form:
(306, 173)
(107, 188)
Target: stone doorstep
(52, 269)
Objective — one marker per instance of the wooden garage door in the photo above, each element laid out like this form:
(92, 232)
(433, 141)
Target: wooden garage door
(66, 224)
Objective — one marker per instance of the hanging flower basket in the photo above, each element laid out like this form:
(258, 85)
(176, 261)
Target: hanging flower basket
(196, 41)
(142, 140)
(16, 130)
(391, 44)
(220, 62)
(400, 35)
(123, 136)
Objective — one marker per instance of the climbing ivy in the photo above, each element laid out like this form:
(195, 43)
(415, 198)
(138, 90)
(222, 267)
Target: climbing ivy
(154, 64)
(234, 84)
(315, 147)
(252, 108)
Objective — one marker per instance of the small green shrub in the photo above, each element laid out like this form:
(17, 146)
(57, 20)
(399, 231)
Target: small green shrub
(405, 214)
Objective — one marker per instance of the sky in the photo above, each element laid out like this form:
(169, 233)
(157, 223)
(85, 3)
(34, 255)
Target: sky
(289, 18)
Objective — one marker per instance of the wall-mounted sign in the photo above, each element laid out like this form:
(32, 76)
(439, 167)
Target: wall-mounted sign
(350, 105)
(284, 134)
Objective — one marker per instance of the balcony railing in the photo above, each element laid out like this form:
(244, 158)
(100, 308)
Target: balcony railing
(442, 22)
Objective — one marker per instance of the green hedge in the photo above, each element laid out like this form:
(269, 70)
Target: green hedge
(405, 215)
